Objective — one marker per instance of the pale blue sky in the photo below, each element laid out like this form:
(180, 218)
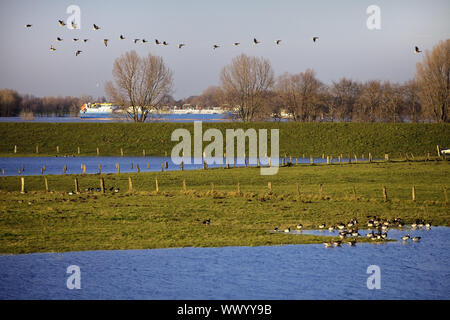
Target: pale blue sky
(345, 48)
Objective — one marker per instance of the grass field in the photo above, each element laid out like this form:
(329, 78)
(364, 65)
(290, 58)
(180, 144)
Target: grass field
(56, 221)
(296, 139)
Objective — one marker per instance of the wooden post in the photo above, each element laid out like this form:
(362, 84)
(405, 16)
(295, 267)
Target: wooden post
(356, 158)
(270, 164)
(98, 151)
(385, 196)
(79, 150)
(121, 152)
(138, 170)
(37, 148)
(148, 165)
(77, 188)
(413, 193)
(117, 168)
(438, 151)
(156, 185)
(65, 168)
(3, 171)
(386, 157)
(184, 185)
(162, 167)
(42, 170)
(166, 165)
(311, 160)
(269, 186)
(181, 166)
(84, 169)
(99, 168)
(15, 149)
(205, 166)
(22, 188)
(57, 149)
(46, 184)
(102, 185)
(130, 184)
(143, 152)
(370, 157)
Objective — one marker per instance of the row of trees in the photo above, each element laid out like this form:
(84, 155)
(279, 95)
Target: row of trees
(13, 104)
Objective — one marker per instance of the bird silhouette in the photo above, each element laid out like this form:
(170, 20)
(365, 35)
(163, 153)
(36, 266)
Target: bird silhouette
(61, 23)
(74, 26)
(75, 39)
(85, 40)
(215, 46)
(181, 45)
(28, 25)
(105, 41)
(157, 41)
(256, 41)
(144, 41)
(78, 52)
(416, 49)
(122, 37)
(236, 44)
(136, 40)
(314, 39)
(59, 39)
(165, 43)
(52, 48)
(96, 27)
(277, 41)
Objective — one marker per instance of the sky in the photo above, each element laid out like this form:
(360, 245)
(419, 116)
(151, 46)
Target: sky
(346, 47)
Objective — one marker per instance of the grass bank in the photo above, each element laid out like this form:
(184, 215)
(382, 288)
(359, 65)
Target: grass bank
(296, 139)
(172, 217)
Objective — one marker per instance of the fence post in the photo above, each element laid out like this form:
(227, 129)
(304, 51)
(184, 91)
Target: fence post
(413, 193)
(137, 168)
(181, 166)
(184, 185)
(37, 148)
(15, 148)
(130, 184)
(121, 152)
(269, 186)
(77, 188)
(385, 196)
(102, 185)
(22, 187)
(57, 149)
(118, 168)
(98, 151)
(99, 168)
(156, 185)
(143, 152)
(46, 184)
(239, 188)
(78, 150)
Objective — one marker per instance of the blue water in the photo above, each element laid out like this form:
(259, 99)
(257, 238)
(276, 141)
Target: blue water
(109, 118)
(408, 271)
(54, 165)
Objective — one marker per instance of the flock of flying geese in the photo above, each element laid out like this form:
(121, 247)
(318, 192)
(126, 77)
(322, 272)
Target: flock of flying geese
(350, 232)
(157, 42)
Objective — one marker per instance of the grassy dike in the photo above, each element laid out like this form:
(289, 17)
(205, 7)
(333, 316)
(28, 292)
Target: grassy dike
(296, 139)
(56, 221)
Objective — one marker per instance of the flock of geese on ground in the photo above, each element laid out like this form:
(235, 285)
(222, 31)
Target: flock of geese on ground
(350, 232)
(157, 42)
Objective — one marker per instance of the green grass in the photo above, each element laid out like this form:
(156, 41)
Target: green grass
(296, 139)
(55, 221)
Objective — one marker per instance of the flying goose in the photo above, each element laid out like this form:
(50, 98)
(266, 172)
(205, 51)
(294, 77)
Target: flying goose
(236, 44)
(28, 25)
(85, 40)
(165, 43)
(256, 41)
(277, 41)
(314, 39)
(416, 49)
(52, 48)
(74, 26)
(181, 45)
(96, 27)
(78, 52)
(215, 46)
(122, 37)
(105, 41)
(144, 41)
(59, 39)
(136, 40)
(75, 39)
(157, 41)
(61, 23)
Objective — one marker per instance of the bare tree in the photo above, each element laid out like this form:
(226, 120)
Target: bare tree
(392, 103)
(301, 94)
(140, 84)
(369, 102)
(209, 98)
(245, 84)
(344, 95)
(412, 107)
(433, 77)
